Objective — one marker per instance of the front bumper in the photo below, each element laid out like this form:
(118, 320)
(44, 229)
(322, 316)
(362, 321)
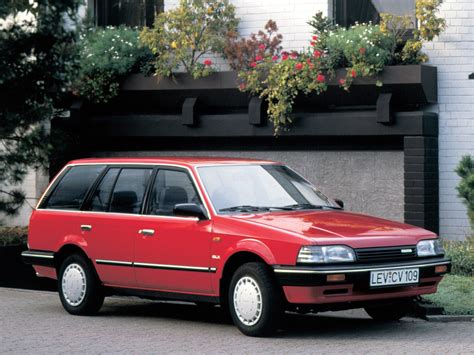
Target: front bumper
(309, 285)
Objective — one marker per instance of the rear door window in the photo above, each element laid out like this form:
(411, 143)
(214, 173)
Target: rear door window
(70, 192)
(129, 190)
(101, 197)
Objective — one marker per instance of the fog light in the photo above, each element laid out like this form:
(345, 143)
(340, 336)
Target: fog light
(441, 269)
(336, 278)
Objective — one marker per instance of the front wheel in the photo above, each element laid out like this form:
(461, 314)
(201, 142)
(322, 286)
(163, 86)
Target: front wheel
(390, 312)
(79, 288)
(255, 301)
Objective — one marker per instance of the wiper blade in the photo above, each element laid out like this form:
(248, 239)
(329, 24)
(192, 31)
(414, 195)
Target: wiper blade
(244, 208)
(309, 206)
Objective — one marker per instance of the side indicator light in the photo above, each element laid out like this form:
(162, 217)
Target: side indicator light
(440, 269)
(336, 278)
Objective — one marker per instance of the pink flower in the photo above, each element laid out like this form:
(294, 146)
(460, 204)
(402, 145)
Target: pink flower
(342, 81)
(294, 55)
(242, 86)
(315, 38)
(353, 73)
(317, 53)
(253, 64)
(275, 58)
(261, 47)
(208, 62)
(299, 66)
(258, 58)
(362, 50)
(321, 78)
(284, 56)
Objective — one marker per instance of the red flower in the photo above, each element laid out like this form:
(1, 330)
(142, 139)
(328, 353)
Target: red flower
(261, 47)
(208, 62)
(315, 38)
(342, 81)
(258, 58)
(294, 55)
(313, 43)
(242, 86)
(321, 78)
(275, 57)
(362, 50)
(284, 56)
(353, 73)
(253, 64)
(317, 53)
(299, 66)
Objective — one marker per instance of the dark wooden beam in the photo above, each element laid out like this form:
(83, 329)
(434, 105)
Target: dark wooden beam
(256, 111)
(188, 112)
(384, 108)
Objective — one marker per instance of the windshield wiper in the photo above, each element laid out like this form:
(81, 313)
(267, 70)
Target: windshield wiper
(244, 208)
(309, 206)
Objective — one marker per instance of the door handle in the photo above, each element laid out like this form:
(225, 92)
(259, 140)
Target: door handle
(86, 227)
(147, 232)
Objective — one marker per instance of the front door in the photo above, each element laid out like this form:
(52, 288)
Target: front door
(173, 253)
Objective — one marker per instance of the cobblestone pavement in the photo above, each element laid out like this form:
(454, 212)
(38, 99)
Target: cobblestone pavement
(35, 322)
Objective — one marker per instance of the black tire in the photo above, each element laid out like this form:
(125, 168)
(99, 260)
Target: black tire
(271, 311)
(93, 296)
(390, 312)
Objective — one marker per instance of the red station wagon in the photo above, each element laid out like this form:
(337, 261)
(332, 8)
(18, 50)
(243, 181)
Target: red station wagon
(253, 236)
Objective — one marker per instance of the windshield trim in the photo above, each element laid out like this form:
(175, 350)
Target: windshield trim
(217, 212)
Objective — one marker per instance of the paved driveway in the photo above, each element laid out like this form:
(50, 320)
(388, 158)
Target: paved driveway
(34, 322)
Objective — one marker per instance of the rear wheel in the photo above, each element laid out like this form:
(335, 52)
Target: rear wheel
(390, 312)
(79, 288)
(255, 301)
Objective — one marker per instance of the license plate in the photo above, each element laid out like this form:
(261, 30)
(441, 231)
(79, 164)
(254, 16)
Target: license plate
(394, 277)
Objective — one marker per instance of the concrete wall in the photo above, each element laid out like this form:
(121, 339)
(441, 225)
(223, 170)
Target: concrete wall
(453, 54)
(367, 181)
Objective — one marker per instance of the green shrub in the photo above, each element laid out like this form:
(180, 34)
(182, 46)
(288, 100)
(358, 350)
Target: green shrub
(462, 256)
(455, 294)
(13, 235)
(107, 55)
(180, 37)
(465, 170)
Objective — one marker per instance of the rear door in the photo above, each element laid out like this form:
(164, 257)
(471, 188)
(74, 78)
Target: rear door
(113, 220)
(173, 253)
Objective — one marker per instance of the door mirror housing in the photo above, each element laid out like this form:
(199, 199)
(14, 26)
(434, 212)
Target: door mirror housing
(339, 202)
(189, 210)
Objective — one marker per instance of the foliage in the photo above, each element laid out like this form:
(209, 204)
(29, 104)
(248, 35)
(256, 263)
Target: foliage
(13, 236)
(462, 256)
(240, 53)
(279, 79)
(106, 56)
(409, 51)
(363, 48)
(182, 36)
(37, 60)
(465, 188)
(455, 294)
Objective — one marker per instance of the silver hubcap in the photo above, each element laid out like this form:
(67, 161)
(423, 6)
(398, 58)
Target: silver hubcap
(74, 284)
(248, 301)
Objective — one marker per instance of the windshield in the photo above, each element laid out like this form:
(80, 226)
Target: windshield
(237, 188)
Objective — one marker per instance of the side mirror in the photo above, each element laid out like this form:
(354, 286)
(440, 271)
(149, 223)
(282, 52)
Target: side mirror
(339, 202)
(189, 210)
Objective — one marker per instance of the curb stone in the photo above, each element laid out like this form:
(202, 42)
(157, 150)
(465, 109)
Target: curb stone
(449, 318)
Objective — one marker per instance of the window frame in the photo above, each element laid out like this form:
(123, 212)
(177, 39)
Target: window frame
(146, 209)
(95, 7)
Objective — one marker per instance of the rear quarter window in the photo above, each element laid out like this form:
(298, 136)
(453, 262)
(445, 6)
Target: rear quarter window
(70, 192)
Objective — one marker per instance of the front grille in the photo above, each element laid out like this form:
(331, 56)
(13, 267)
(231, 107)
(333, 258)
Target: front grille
(386, 254)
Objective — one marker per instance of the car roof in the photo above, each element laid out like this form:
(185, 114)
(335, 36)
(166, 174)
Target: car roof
(185, 161)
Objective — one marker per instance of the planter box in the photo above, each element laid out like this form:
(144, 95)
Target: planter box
(410, 86)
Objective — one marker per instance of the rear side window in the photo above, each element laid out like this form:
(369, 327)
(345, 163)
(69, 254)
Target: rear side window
(129, 190)
(71, 190)
(101, 196)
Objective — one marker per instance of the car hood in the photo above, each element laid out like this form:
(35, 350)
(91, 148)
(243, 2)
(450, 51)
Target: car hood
(323, 227)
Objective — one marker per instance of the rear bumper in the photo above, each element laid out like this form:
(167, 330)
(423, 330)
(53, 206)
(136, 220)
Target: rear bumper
(38, 257)
(309, 285)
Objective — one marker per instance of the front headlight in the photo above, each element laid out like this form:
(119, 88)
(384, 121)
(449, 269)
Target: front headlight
(325, 254)
(430, 247)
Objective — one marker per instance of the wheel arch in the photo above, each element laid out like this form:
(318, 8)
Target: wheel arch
(65, 251)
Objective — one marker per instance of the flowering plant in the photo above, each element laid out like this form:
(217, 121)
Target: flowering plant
(106, 56)
(182, 36)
